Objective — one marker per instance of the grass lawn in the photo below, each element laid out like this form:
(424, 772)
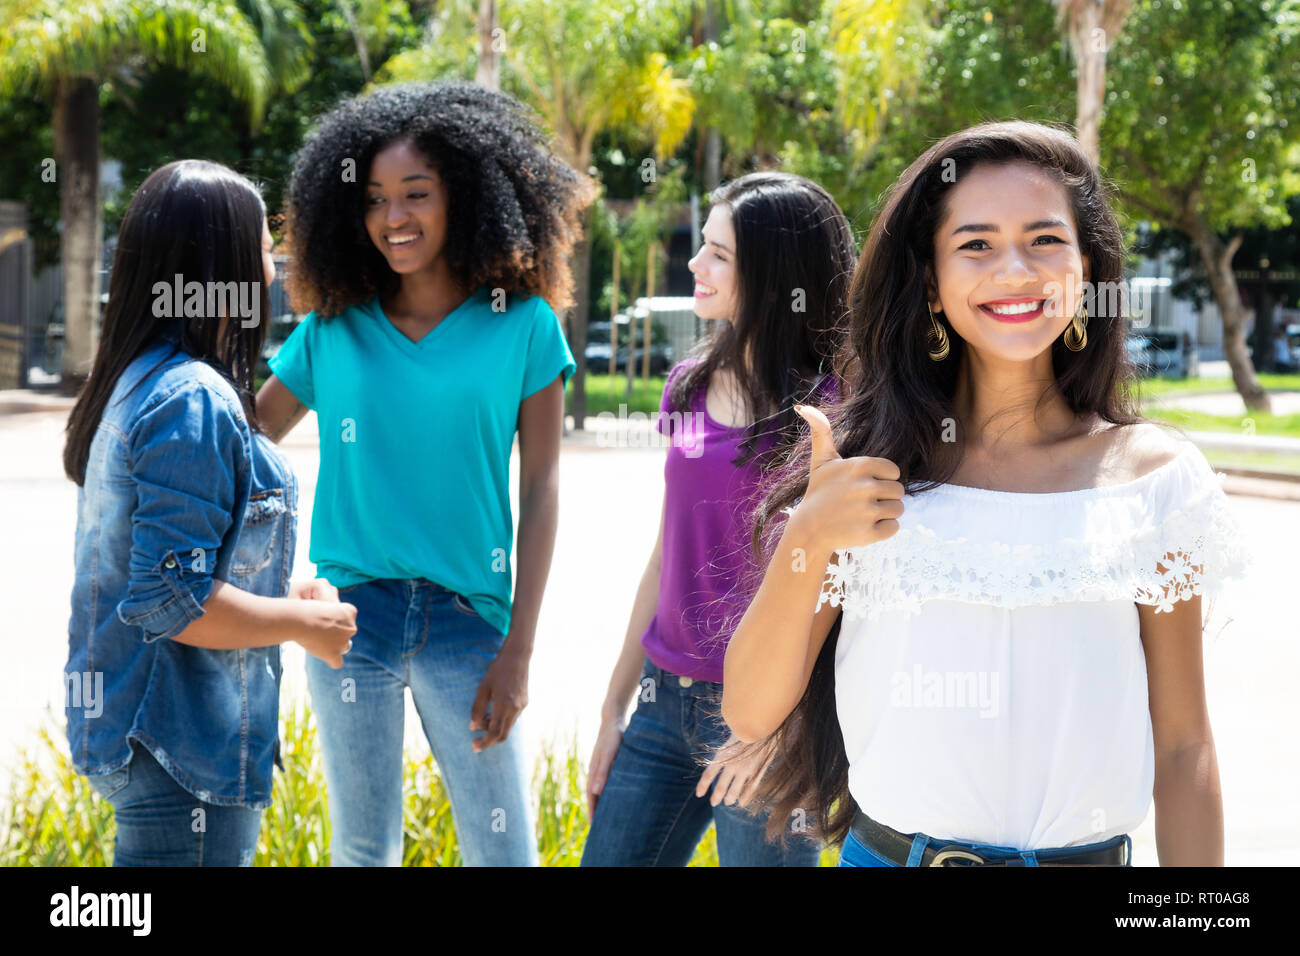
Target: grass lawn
(1149, 387)
(606, 392)
(1284, 425)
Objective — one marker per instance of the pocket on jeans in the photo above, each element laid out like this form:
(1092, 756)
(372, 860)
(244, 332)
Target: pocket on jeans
(463, 605)
(107, 785)
(855, 853)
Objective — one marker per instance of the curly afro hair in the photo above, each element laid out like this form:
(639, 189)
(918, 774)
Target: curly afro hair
(515, 208)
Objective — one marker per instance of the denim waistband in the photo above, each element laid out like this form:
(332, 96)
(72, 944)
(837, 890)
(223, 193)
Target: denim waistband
(411, 584)
(680, 684)
(920, 841)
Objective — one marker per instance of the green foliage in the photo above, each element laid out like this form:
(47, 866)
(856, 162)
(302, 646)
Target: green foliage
(1286, 426)
(296, 829)
(562, 807)
(768, 83)
(54, 818)
(28, 134)
(156, 110)
(605, 393)
(605, 61)
(879, 48)
(45, 41)
(964, 62)
(1160, 386)
(1203, 110)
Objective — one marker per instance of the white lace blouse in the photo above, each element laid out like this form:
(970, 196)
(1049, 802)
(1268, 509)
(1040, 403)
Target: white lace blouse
(990, 680)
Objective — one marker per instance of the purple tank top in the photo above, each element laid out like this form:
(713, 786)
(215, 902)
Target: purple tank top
(707, 571)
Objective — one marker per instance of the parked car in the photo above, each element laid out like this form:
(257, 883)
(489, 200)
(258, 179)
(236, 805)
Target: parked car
(1163, 352)
(661, 359)
(277, 331)
(597, 351)
(1293, 340)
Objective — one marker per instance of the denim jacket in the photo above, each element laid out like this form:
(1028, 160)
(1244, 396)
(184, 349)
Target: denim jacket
(179, 492)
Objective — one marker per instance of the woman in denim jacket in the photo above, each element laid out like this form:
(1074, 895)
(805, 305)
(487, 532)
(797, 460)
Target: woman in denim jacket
(186, 520)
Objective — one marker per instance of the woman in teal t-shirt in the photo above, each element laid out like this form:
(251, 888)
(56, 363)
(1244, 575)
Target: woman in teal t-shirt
(430, 227)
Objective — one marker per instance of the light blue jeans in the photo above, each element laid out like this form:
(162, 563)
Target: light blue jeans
(416, 634)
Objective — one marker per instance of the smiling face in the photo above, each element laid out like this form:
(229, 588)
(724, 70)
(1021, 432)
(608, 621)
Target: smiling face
(714, 268)
(1007, 261)
(406, 208)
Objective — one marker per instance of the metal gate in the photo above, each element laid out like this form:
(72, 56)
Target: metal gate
(15, 294)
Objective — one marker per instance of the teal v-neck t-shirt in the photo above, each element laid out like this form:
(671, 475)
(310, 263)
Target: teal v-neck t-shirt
(415, 439)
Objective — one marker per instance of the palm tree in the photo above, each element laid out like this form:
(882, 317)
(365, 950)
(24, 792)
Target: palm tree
(879, 47)
(73, 53)
(584, 77)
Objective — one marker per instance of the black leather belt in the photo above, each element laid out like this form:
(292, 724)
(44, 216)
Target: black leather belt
(897, 848)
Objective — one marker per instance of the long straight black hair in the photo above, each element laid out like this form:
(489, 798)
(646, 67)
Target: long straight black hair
(897, 399)
(203, 222)
(794, 259)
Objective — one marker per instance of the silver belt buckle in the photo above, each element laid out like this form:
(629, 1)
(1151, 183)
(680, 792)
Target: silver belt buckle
(944, 855)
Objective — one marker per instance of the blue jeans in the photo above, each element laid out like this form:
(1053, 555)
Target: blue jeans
(416, 634)
(648, 813)
(160, 823)
(856, 853)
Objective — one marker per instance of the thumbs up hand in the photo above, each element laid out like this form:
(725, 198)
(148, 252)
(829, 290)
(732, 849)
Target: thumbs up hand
(849, 501)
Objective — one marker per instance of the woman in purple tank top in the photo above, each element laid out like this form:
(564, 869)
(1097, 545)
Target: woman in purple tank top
(773, 271)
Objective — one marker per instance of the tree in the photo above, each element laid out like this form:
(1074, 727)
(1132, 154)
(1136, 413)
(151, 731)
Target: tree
(880, 47)
(1274, 254)
(489, 69)
(67, 53)
(960, 62)
(763, 87)
(1091, 26)
(1209, 156)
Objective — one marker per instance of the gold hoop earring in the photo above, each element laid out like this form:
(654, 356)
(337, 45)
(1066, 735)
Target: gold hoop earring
(938, 336)
(1076, 336)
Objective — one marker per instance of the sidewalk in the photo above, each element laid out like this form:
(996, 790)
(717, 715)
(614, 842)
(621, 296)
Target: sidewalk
(15, 400)
(1231, 441)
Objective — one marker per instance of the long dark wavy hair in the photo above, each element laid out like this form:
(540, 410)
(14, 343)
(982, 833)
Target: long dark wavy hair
(897, 398)
(514, 207)
(200, 220)
(794, 259)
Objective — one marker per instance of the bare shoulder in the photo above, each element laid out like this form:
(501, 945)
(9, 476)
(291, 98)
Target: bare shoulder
(1138, 449)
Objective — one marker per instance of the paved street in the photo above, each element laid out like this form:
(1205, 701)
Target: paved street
(609, 510)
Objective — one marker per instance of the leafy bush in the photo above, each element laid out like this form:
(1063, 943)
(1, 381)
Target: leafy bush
(54, 818)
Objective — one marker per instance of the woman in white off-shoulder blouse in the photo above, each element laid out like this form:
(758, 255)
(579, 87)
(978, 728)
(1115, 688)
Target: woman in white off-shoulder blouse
(1002, 659)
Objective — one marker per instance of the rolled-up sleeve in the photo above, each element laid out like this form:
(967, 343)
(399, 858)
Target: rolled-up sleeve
(186, 452)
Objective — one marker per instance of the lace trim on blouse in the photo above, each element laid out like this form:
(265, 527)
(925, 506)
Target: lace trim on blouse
(1192, 550)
